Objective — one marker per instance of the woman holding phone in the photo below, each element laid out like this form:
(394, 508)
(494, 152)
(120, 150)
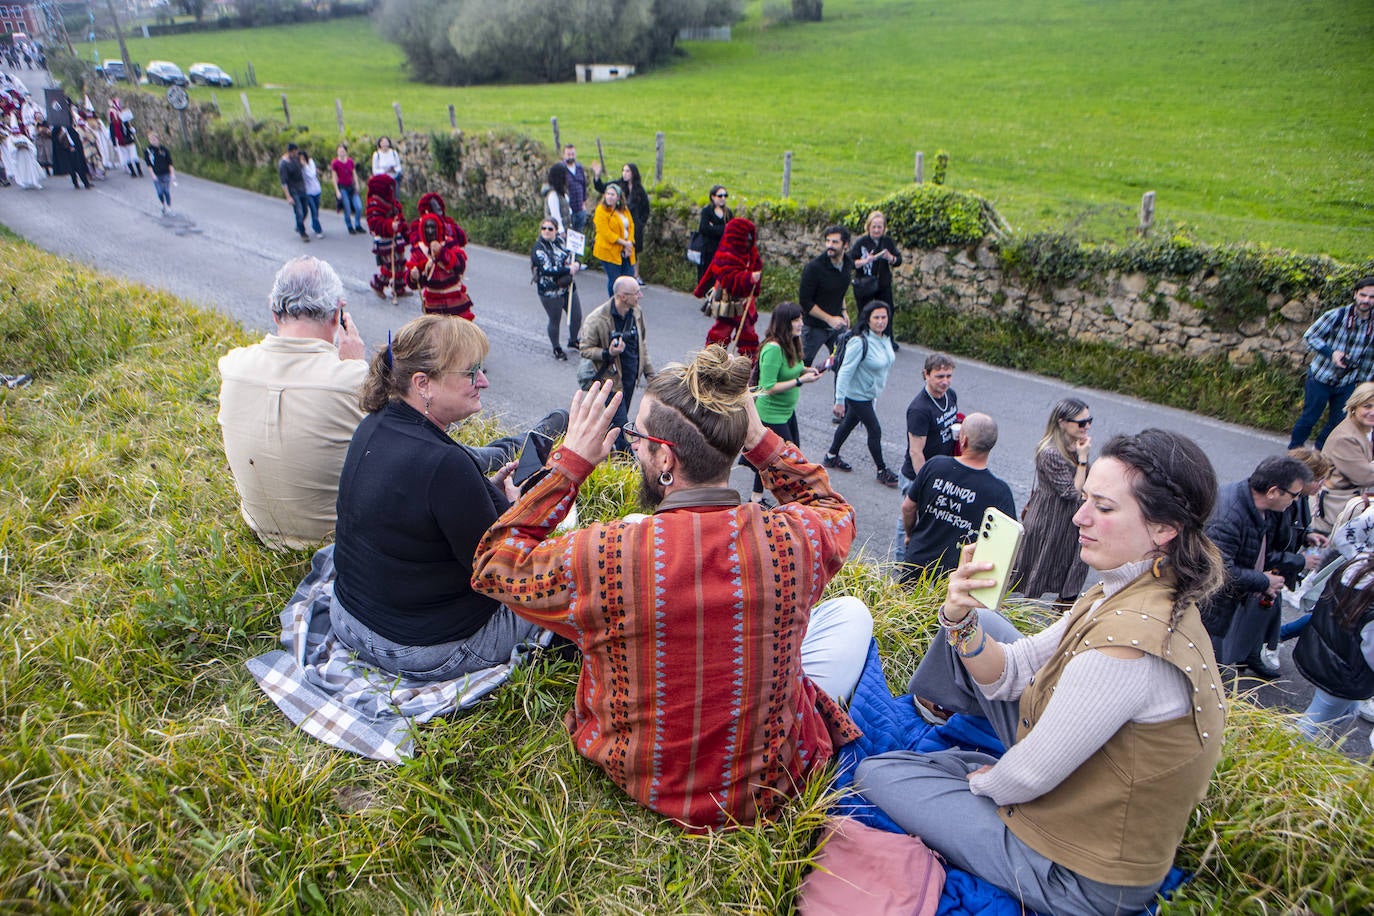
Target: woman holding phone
(781, 375)
(413, 503)
(1112, 716)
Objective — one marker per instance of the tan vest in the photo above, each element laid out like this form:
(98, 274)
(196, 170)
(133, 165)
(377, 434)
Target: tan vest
(1120, 816)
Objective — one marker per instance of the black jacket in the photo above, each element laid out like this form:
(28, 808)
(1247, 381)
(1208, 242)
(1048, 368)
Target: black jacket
(1236, 527)
(825, 285)
(1330, 656)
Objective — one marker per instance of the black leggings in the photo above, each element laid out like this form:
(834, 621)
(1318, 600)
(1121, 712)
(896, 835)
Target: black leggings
(553, 307)
(788, 431)
(856, 412)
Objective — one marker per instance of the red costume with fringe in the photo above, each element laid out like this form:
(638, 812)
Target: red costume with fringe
(733, 267)
(436, 268)
(431, 202)
(387, 221)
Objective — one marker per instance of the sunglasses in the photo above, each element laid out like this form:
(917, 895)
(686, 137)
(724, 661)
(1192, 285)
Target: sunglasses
(547, 228)
(1086, 421)
(632, 433)
(1294, 493)
(722, 194)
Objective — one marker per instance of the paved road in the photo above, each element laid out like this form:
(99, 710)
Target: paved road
(222, 246)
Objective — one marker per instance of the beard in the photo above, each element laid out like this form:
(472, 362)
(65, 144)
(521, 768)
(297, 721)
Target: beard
(651, 492)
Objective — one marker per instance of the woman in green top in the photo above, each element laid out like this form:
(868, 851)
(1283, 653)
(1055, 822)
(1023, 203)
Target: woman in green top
(782, 372)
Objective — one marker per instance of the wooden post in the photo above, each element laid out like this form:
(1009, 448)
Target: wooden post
(452, 118)
(658, 158)
(247, 111)
(557, 144)
(920, 167)
(285, 109)
(786, 174)
(185, 139)
(338, 115)
(214, 100)
(601, 157)
(1147, 213)
(400, 125)
(252, 74)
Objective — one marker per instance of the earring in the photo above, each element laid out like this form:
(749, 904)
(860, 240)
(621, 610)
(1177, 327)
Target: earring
(665, 478)
(427, 403)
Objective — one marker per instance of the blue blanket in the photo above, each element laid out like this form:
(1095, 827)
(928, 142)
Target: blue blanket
(892, 724)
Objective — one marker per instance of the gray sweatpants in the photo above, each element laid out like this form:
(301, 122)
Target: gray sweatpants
(928, 796)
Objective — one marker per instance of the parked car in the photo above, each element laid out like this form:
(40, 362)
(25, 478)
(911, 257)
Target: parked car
(165, 73)
(209, 75)
(113, 71)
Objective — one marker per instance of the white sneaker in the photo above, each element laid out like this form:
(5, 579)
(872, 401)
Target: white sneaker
(1270, 657)
(1366, 711)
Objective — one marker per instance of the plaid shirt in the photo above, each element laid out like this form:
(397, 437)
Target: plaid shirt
(1342, 329)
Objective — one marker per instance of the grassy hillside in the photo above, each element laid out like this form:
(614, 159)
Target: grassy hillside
(1251, 120)
(141, 770)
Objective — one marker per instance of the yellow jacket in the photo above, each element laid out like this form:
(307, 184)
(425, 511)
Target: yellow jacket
(610, 226)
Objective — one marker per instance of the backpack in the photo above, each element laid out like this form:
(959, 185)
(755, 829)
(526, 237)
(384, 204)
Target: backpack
(842, 341)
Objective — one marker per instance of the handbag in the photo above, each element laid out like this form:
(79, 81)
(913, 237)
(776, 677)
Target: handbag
(865, 286)
(718, 304)
(694, 248)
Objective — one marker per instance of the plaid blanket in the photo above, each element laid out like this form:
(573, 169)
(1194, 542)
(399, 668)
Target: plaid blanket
(315, 680)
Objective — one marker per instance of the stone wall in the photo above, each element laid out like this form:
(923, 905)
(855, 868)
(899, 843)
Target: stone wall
(495, 170)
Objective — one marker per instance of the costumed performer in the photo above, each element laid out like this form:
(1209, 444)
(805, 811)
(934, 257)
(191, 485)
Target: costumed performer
(737, 268)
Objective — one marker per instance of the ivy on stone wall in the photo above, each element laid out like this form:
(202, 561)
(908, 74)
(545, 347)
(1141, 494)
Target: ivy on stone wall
(1245, 275)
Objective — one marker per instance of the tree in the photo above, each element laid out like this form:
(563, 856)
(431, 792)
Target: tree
(480, 41)
(806, 10)
(193, 8)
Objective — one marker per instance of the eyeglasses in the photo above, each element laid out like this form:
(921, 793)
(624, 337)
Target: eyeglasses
(547, 229)
(473, 372)
(632, 433)
(1294, 493)
(1086, 421)
(722, 194)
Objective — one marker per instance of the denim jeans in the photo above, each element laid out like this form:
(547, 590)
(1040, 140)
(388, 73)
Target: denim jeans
(298, 209)
(615, 272)
(163, 185)
(1316, 397)
(352, 208)
(898, 551)
(313, 202)
(489, 646)
(1325, 714)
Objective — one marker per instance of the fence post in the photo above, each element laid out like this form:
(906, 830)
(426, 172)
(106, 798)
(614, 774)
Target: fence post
(557, 146)
(786, 174)
(285, 109)
(400, 125)
(338, 115)
(252, 74)
(214, 100)
(658, 158)
(920, 167)
(452, 118)
(247, 111)
(1147, 213)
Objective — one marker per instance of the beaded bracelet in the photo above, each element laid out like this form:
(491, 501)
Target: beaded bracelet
(960, 633)
(983, 644)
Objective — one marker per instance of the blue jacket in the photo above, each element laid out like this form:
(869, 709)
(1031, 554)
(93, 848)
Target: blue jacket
(861, 376)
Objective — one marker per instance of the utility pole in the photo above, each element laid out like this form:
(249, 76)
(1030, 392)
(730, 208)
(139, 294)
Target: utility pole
(123, 48)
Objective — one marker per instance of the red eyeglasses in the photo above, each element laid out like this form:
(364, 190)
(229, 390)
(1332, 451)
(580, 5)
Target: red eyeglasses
(632, 433)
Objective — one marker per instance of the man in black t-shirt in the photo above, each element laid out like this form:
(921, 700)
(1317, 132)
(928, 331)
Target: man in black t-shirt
(931, 418)
(944, 506)
(293, 186)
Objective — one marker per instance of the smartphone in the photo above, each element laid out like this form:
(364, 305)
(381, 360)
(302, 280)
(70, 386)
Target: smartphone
(997, 543)
(533, 455)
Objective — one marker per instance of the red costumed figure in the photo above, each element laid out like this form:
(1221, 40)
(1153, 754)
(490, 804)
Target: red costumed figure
(387, 221)
(736, 268)
(433, 203)
(436, 268)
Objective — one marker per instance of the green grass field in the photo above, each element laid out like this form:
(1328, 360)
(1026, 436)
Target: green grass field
(142, 771)
(1251, 120)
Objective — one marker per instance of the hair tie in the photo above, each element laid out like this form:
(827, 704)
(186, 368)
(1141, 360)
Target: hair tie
(389, 359)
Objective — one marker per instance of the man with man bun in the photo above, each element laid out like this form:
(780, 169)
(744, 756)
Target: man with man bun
(712, 672)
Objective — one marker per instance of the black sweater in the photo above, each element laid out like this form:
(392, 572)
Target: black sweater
(412, 506)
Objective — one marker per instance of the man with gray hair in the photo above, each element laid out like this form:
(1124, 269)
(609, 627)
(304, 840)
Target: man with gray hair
(944, 507)
(289, 406)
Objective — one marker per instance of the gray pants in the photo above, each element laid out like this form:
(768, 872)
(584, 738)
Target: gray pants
(928, 796)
